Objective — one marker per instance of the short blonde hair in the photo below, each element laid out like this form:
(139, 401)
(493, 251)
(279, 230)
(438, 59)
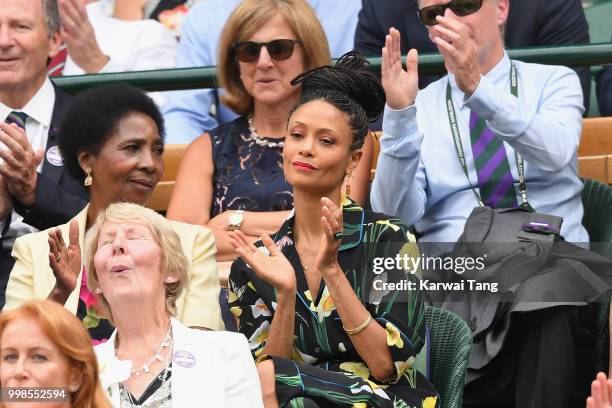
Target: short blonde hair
(174, 261)
(250, 16)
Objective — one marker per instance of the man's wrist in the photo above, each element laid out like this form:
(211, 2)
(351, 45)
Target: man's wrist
(29, 199)
(96, 64)
(471, 86)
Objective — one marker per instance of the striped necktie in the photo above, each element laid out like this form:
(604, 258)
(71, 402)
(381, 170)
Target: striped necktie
(494, 176)
(17, 117)
(56, 65)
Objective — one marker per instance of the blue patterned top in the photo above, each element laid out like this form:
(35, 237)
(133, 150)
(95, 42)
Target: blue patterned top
(247, 176)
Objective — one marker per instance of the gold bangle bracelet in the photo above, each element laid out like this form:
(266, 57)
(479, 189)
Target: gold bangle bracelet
(360, 328)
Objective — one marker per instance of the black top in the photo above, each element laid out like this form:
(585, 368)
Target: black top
(153, 386)
(247, 176)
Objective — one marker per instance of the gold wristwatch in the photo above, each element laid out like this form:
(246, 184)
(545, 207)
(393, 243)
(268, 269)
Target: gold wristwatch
(235, 220)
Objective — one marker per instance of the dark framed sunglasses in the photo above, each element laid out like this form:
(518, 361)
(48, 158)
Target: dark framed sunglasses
(459, 7)
(279, 50)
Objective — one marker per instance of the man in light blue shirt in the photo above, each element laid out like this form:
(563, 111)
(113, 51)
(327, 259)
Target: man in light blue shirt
(484, 111)
(187, 113)
(419, 176)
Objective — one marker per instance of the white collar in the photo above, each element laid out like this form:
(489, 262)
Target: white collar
(112, 370)
(38, 107)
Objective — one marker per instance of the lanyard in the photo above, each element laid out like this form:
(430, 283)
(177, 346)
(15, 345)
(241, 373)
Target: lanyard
(452, 119)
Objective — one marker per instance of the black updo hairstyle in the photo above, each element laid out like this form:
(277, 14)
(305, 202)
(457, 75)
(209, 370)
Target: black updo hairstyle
(92, 117)
(351, 87)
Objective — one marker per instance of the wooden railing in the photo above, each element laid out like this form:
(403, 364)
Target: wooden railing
(595, 152)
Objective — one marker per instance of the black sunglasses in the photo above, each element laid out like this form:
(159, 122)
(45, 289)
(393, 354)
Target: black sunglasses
(460, 7)
(248, 51)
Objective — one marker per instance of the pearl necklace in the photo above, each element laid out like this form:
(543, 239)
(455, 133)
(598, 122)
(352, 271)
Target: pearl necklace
(166, 342)
(259, 140)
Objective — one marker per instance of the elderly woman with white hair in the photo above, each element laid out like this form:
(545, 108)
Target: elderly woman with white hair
(137, 269)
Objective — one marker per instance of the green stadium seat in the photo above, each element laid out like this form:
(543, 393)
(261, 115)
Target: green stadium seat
(597, 219)
(450, 343)
(597, 202)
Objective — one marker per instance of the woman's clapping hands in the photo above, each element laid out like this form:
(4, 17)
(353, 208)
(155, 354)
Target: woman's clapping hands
(65, 262)
(268, 262)
(331, 222)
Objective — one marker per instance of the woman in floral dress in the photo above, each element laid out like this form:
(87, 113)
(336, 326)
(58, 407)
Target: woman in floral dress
(311, 299)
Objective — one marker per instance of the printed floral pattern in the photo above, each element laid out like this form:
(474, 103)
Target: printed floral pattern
(89, 312)
(324, 362)
(325, 306)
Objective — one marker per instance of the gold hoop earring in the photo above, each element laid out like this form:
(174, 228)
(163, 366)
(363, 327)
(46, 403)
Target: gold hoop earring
(88, 178)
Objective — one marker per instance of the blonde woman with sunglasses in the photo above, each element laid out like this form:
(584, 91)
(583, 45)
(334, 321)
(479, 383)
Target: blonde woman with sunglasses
(232, 177)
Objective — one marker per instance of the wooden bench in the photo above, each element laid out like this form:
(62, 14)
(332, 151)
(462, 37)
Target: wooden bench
(594, 159)
(595, 152)
(160, 199)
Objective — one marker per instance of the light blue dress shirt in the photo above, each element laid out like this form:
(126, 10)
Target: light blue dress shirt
(187, 113)
(419, 177)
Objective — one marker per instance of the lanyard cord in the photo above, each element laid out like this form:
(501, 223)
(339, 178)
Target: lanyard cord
(452, 119)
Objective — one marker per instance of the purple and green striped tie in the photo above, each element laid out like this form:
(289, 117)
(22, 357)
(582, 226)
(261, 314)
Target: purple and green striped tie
(494, 176)
(18, 118)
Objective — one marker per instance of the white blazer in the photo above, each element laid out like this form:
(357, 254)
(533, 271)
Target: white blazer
(209, 369)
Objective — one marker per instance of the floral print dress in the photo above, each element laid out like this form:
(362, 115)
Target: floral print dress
(325, 369)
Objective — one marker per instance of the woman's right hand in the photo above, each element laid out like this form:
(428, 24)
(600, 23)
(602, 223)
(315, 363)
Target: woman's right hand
(274, 268)
(65, 261)
(401, 86)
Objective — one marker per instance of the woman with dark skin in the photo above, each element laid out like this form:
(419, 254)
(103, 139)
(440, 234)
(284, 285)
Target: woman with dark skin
(112, 139)
(306, 297)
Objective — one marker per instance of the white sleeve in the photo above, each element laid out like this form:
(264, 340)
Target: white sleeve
(242, 387)
(400, 181)
(549, 137)
(154, 48)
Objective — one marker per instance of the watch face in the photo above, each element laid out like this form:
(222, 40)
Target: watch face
(235, 219)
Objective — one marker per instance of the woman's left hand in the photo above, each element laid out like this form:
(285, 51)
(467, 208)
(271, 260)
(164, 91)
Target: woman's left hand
(65, 262)
(331, 221)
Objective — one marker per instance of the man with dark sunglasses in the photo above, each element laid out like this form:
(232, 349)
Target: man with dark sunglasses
(469, 139)
(530, 23)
